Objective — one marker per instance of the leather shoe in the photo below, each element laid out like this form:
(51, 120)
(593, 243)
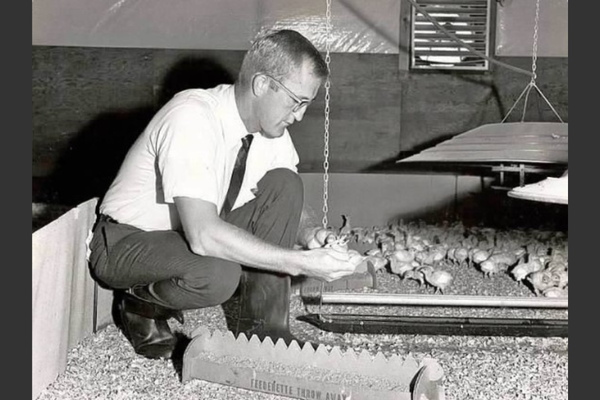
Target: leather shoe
(145, 325)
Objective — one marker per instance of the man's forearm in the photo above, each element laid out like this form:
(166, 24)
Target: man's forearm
(217, 238)
(232, 243)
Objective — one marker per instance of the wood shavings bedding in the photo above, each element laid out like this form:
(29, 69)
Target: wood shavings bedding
(105, 366)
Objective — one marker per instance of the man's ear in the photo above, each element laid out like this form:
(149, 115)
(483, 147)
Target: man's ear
(260, 85)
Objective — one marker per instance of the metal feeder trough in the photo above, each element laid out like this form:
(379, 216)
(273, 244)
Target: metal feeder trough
(306, 373)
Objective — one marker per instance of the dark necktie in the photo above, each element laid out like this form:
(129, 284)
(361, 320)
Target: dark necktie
(237, 177)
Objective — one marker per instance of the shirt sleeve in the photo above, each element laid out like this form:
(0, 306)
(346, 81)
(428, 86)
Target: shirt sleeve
(186, 148)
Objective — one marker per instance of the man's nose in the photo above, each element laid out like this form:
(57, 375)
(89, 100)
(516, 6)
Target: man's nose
(299, 114)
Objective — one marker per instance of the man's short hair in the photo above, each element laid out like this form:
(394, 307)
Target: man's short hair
(278, 54)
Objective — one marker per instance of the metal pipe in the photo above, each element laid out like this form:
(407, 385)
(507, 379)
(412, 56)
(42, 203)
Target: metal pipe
(443, 300)
(411, 325)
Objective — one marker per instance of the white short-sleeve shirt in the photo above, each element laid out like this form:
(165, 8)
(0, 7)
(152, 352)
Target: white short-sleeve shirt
(188, 149)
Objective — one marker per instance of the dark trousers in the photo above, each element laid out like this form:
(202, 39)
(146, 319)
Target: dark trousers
(123, 256)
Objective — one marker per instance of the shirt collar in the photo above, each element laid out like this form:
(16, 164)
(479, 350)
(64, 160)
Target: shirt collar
(234, 127)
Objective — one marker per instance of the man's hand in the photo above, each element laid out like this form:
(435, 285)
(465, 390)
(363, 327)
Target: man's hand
(329, 264)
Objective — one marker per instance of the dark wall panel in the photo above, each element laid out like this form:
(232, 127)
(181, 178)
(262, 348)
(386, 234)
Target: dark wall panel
(89, 104)
(71, 88)
(364, 117)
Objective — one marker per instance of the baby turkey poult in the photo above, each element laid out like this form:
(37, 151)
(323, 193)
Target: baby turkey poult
(437, 278)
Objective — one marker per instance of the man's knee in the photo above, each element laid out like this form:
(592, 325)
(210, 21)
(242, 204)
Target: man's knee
(285, 182)
(225, 283)
(216, 283)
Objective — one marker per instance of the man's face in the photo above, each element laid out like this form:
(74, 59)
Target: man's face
(285, 101)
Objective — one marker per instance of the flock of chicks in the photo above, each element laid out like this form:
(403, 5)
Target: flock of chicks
(418, 251)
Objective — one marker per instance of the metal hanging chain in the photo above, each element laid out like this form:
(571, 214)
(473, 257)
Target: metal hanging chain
(327, 99)
(532, 84)
(326, 133)
(536, 28)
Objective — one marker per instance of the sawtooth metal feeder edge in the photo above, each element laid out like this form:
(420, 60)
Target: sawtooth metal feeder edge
(221, 358)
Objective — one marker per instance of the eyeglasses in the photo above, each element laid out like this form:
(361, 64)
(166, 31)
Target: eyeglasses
(299, 102)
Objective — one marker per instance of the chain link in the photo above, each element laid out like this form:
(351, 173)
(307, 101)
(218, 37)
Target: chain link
(327, 99)
(535, 42)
